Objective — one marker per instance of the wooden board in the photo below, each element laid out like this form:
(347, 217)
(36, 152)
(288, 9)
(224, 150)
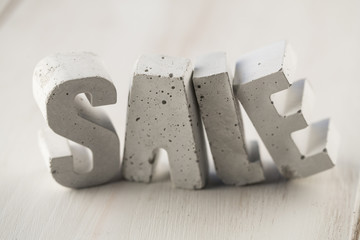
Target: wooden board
(32, 206)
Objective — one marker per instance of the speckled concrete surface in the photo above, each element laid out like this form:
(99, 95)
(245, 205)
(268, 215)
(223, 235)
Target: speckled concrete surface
(163, 113)
(221, 115)
(269, 71)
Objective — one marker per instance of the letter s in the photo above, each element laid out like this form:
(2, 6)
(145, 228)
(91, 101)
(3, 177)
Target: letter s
(59, 82)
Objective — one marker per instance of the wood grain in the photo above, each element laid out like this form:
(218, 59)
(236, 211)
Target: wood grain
(325, 34)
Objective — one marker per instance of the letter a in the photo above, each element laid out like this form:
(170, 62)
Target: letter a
(162, 113)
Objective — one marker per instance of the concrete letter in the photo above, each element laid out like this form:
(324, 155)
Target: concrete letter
(280, 112)
(59, 82)
(223, 123)
(163, 113)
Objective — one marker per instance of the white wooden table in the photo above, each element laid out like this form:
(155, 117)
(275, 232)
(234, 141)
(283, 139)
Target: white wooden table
(326, 37)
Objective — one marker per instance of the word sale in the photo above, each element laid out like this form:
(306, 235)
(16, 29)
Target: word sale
(169, 102)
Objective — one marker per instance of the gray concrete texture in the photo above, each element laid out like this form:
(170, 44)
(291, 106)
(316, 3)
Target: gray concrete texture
(59, 84)
(280, 109)
(163, 113)
(221, 115)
